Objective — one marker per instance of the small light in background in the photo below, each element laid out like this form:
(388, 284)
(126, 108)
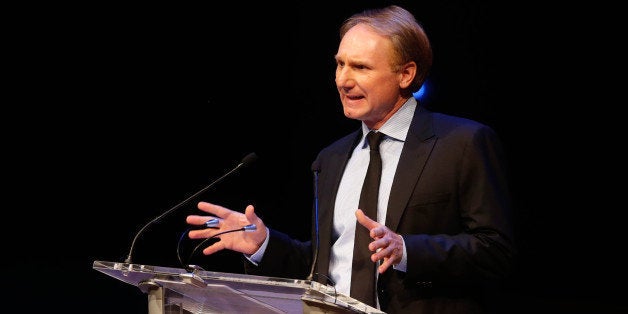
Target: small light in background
(420, 94)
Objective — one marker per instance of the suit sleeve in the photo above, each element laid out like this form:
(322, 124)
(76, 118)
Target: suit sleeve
(284, 257)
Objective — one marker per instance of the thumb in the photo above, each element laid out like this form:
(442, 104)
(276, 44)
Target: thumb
(249, 212)
(364, 220)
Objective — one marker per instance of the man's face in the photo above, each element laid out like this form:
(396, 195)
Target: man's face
(368, 86)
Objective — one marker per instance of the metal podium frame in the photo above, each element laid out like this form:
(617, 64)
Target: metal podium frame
(178, 291)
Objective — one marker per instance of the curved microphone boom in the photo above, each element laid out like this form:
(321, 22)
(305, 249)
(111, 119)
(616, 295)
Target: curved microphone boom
(316, 168)
(247, 160)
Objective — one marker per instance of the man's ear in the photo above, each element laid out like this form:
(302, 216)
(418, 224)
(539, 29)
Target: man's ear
(407, 74)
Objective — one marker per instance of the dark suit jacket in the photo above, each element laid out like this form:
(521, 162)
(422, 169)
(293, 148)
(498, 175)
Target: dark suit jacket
(450, 202)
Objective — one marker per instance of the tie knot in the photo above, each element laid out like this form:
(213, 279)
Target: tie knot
(374, 138)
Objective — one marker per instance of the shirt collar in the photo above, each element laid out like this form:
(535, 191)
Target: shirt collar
(398, 125)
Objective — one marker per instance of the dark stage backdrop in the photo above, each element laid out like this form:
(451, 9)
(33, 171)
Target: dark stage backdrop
(130, 111)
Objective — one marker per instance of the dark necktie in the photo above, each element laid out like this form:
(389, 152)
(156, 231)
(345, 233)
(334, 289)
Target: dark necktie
(363, 269)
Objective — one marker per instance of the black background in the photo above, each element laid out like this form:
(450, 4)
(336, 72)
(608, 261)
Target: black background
(121, 113)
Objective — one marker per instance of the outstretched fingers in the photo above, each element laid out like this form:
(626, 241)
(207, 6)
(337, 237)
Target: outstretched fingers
(214, 209)
(218, 246)
(197, 220)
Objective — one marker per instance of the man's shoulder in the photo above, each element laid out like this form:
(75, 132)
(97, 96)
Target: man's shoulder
(453, 121)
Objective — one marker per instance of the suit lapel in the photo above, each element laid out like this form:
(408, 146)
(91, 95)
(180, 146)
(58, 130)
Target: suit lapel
(416, 150)
(329, 182)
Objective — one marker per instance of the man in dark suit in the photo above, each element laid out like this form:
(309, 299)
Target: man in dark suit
(442, 232)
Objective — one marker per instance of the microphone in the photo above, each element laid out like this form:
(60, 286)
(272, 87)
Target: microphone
(316, 169)
(246, 161)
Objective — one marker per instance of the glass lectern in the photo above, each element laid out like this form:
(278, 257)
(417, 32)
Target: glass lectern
(175, 290)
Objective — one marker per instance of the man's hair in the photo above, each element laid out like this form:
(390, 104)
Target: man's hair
(410, 43)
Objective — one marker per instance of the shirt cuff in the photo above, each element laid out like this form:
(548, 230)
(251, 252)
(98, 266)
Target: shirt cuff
(256, 257)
